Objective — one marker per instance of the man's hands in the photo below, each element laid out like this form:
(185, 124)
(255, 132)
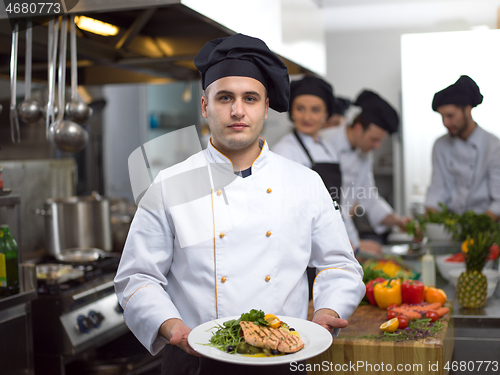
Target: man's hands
(329, 319)
(370, 247)
(177, 333)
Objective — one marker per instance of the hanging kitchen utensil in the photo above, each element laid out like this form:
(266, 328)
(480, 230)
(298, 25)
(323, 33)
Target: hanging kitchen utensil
(76, 110)
(66, 135)
(50, 110)
(14, 121)
(28, 109)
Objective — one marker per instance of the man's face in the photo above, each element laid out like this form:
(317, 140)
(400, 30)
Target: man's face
(235, 108)
(454, 119)
(369, 139)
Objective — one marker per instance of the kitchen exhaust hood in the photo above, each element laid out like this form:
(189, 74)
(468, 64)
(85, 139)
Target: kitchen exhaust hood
(158, 39)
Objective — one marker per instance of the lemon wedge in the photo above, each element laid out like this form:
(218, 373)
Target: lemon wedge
(390, 325)
(272, 320)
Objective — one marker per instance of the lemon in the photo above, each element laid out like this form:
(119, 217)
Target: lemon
(294, 333)
(390, 325)
(272, 320)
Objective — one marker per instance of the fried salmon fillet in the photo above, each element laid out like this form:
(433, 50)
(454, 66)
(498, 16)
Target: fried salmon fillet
(270, 338)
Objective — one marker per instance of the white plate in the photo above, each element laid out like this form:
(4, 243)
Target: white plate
(316, 340)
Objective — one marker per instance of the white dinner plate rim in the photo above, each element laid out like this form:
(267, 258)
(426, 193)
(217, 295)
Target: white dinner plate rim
(316, 339)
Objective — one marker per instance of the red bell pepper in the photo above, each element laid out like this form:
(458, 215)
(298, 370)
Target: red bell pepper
(369, 289)
(412, 292)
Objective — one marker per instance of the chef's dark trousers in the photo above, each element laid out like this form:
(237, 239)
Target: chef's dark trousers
(177, 362)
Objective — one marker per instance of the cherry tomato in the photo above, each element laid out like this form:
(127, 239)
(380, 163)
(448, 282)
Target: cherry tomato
(391, 314)
(432, 315)
(392, 305)
(403, 321)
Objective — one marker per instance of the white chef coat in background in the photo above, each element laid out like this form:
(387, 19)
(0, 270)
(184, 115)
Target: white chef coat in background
(358, 183)
(290, 223)
(466, 174)
(290, 148)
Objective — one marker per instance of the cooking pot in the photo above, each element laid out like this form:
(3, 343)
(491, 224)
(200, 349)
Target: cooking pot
(81, 222)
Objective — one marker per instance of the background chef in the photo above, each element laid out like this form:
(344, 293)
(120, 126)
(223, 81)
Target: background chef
(338, 118)
(312, 102)
(239, 245)
(466, 161)
(355, 144)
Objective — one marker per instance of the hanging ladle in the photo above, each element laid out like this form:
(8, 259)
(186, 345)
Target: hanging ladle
(66, 135)
(14, 121)
(75, 110)
(28, 109)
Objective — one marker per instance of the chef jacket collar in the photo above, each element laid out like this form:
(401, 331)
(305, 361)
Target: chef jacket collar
(215, 156)
(474, 138)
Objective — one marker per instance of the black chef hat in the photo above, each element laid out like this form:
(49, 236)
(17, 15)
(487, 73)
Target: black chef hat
(244, 56)
(311, 85)
(341, 106)
(463, 92)
(377, 111)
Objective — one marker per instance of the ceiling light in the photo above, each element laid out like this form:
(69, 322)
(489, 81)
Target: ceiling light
(96, 26)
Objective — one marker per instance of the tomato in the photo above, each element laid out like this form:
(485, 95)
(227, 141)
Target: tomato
(403, 321)
(432, 315)
(494, 252)
(392, 305)
(457, 257)
(391, 314)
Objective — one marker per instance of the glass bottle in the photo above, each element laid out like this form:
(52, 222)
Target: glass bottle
(428, 269)
(11, 261)
(3, 265)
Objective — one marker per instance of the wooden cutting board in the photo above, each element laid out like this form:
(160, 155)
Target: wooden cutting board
(351, 354)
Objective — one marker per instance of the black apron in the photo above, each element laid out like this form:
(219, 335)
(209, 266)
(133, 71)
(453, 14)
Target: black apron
(332, 178)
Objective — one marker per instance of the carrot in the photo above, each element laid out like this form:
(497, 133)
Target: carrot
(416, 311)
(408, 313)
(427, 307)
(442, 311)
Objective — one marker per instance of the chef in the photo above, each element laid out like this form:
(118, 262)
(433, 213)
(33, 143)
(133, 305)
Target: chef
(240, 244)
(354, 145)
(312, 102)
(466, 161)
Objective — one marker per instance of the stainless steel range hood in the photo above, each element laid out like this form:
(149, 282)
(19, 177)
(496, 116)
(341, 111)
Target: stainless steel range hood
(158, 39)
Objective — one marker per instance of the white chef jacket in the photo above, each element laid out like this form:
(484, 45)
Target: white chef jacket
(290, 148)
(358, 183)
(466, 174)
(245, 246)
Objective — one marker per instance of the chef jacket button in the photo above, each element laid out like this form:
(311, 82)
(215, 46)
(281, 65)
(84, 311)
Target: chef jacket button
(268, 233)
(219, 192)
(269, 190)
(222, 235)
(268, 278)
(224, 279)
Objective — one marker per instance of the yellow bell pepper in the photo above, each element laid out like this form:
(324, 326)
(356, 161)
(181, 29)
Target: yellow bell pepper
(387, 293)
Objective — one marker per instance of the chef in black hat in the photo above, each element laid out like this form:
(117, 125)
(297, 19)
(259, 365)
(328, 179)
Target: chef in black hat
(355, 144)
(312, 102)
(242, 244)
(466, 161)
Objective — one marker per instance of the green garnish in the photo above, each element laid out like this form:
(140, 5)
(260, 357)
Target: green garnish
(227, 336)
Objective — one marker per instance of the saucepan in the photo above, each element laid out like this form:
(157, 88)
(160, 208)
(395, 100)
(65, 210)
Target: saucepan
(84, 255)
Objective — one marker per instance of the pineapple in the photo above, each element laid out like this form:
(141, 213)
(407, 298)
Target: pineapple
(472, 284)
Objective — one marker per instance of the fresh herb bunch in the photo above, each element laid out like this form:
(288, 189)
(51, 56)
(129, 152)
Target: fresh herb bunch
(228, 335)
(461, 226)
